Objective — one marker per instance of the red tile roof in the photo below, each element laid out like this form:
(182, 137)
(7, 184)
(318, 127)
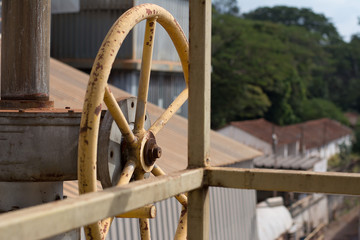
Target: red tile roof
(314, 133)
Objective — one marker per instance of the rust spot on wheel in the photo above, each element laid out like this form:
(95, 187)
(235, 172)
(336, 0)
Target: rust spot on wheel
(98, 110)
(148, 11)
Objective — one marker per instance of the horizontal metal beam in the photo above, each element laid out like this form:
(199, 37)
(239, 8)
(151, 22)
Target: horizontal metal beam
(61, 216)
(50, 219)
(284, 180)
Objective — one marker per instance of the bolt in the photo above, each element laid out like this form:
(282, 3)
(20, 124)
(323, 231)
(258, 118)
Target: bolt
(156, 152)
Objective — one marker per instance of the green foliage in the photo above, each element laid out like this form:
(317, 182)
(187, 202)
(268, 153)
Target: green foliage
(291, 16)
(320, 108)
(284, 64)
(226, 7)
(258, 69)
(356, 142)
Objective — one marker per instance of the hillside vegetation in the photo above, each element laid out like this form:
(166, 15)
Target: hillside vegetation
(284, 64)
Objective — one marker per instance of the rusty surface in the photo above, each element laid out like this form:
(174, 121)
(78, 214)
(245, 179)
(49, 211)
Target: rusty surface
(38, 144)
(151, 150)
(25, 57)
(40, 110)
(24, 104)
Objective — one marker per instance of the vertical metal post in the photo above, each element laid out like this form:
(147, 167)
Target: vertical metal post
(25, 46)
(199, 112)
(25, 67)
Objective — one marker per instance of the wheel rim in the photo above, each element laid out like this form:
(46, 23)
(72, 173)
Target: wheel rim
(98, 91)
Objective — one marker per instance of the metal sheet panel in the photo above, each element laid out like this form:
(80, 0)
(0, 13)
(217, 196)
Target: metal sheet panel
(76, 37)
(79, 35)
(163, 49)
(106, 4)
(232, 216)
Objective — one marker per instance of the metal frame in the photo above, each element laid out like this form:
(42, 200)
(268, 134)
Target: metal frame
(53, 218)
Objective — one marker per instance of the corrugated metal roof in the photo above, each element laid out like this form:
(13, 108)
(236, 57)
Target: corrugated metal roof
(233, 209)
(290, 162)
(68, 86)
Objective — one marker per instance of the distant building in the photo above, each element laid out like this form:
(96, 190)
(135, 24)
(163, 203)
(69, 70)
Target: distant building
(320, 137)
(305, 146)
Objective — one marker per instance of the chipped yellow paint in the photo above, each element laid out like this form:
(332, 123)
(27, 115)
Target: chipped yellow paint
(97, 90)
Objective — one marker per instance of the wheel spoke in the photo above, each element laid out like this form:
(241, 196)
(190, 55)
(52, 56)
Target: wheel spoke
(182, 198)
(169, 112)
(143, 222)
(148, 211)
(127, 173)
(181, 230)
(118, 116)
(145, 74)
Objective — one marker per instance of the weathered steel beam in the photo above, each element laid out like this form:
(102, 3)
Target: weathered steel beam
(53, 218)
(25, 58)
(284, 180)
(199, 113)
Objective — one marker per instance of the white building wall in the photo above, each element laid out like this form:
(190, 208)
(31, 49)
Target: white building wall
(330, 148)
(246, 138)
(321, 166)
(313, 214)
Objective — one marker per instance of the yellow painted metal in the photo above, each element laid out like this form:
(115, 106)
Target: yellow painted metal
(144, 228)
(118, 116)
(284, 180)
(97, 91)
(157, 171)
(199, 113)
(50, 219)
(181, 230)
(47, 220)
(127, 173)
(144, 223)
(148, 211)
(145, 74)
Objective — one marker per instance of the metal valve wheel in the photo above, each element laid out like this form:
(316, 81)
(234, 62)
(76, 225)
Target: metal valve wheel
(138, 147)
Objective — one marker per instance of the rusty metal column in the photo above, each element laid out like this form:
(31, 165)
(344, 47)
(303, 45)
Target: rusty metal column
(199, 113)
(25, 58)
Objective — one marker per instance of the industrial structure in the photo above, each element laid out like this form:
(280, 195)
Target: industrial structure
(78, 30)
(131, 148)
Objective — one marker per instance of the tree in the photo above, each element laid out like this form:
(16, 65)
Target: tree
(320, 108)
(230, 7)
(260, 69)
(303, 17)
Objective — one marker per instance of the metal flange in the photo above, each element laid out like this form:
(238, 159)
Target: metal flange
(112, 147)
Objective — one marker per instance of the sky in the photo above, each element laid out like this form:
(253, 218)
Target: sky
(343, 13)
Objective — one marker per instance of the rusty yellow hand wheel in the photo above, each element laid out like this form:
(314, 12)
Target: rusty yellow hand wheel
(138, 145)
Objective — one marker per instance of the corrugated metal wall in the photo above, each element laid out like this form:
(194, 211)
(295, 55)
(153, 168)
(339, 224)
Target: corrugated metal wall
(106, 4)
(163, 47)
(79, 35)
(232, 216)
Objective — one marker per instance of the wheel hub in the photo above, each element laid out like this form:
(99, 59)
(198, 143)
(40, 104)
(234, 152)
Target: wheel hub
(151, 150)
